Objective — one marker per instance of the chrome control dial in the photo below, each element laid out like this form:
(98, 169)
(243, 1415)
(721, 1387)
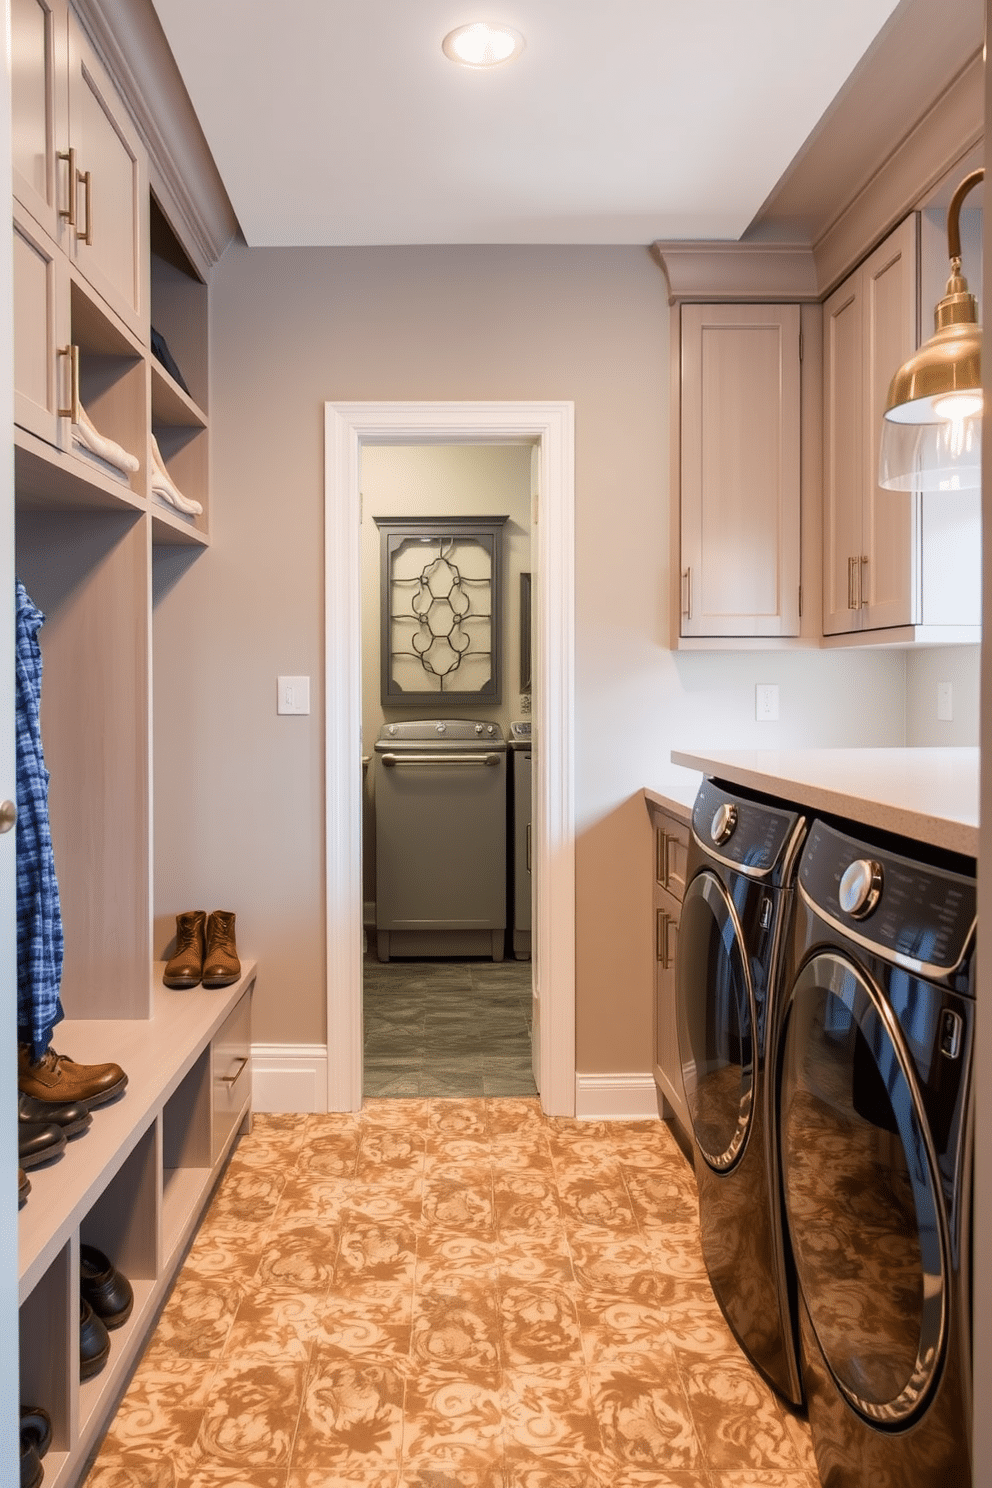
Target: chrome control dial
(724, 823)
(860, 888)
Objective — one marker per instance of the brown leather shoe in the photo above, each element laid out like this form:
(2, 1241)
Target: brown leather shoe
(55, 1077)
(185, 967)
(221, 966)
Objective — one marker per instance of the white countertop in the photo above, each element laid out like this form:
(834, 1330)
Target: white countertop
(930, 795)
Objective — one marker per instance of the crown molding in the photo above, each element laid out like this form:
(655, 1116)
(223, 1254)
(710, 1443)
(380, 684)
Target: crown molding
(132, 44)
(732, 271)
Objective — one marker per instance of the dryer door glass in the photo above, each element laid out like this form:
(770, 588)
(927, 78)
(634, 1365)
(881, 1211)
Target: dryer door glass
(858, 1171)
(715, 1022)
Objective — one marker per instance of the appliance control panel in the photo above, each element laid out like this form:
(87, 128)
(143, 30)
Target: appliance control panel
(915, 909)
(748, 833)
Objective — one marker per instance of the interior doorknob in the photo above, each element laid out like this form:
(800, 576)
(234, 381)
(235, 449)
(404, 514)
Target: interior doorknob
(8, 815)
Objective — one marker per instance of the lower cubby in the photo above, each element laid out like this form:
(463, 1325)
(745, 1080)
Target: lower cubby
(134, 1186)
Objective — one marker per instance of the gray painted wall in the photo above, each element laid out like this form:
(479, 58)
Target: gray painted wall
(292, 328)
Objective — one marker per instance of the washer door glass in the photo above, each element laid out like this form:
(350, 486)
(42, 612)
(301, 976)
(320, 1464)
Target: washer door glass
(858, 1173)
(715, 1022)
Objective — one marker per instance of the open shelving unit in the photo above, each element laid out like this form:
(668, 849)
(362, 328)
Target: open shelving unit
(90, 539)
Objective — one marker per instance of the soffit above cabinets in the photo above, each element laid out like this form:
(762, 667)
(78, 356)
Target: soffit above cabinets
(619, 124)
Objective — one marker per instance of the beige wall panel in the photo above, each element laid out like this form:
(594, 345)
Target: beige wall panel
(291, 328)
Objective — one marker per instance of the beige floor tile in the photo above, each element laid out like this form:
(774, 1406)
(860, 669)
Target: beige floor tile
(351, 1424)
(613, 1326)
(441, 1413)
(299, 1255)
(275, 1323)
(459, 1198)
(329, 1154)
(400, 1203)
(224, 1248)
(737, 1417)
(248, 1193)
(251, 1414)
(595, 1199)
(199, 1314)
(549, 1410)
(381, 1253)
(457, 1332)
(542, 1258)
(643, 1414)
(459, 1118)
(540, 1327)
(455, 1467)
(310, 1199)
(163, 1406)
(377, 1328)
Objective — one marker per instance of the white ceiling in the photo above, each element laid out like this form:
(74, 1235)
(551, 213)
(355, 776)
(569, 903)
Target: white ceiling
(341, 122)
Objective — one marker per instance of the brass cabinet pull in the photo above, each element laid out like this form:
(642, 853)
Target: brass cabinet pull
(664, 923)
(661, 857)
(85, 180)
(72, 411)
(852, 603)
(863, 583)
(529, 869)
(233, 1079)
(69, 212)
(687, 593)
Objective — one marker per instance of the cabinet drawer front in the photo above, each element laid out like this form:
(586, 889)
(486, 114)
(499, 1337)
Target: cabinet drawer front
(671, 849)
(230, 1058)
(37, 82)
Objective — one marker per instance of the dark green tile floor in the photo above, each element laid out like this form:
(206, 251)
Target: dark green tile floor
(447, 1028)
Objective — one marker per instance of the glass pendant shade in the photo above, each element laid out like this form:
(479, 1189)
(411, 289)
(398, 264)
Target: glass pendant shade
(932, 430)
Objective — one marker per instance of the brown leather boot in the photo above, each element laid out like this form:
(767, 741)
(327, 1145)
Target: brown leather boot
(185, 967)
(221, 966)
(55, 1077)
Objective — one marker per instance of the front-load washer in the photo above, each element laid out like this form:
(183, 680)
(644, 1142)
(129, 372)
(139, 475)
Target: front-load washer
(876, 1130)
(742, 856)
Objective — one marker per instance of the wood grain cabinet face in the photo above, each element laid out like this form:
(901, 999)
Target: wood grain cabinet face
(671, 846)
(38, 108)
(110, 244)
(41, 328)
(870, 535)
(740, 470)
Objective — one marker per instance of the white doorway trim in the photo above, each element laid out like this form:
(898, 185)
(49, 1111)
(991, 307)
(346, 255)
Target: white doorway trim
(551, 427)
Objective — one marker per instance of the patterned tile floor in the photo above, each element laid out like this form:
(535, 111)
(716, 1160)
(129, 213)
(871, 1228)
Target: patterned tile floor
(451, 1028)
(449, 1294)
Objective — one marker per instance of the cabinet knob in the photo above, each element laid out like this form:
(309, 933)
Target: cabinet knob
(8, 815)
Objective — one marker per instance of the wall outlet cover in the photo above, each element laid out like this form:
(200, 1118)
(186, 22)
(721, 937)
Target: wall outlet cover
(766, 702)
(293, 695)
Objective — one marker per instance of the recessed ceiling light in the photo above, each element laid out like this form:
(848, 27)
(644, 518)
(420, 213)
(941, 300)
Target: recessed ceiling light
(482, 45)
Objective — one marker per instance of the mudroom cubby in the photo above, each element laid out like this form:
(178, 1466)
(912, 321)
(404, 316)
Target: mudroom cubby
(134, 1185)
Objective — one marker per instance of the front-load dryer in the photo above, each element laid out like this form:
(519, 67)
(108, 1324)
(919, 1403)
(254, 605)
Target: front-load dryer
(876, 1128)
(742, 856)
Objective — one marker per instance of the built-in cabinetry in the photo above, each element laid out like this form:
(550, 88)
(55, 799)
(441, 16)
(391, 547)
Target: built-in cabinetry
(99, 262)
(893, 561)
(670, 851)
(740, 470)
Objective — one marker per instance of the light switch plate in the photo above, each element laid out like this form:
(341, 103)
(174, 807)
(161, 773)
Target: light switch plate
(293, 695)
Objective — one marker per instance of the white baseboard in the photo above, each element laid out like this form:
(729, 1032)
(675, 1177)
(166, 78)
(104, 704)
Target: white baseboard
(616, 1098)
(289, 1078)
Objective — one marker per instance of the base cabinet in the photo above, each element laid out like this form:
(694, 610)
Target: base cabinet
(134, 1185)
(671, 847)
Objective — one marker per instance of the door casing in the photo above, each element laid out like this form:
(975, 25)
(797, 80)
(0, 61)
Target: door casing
(550, 428)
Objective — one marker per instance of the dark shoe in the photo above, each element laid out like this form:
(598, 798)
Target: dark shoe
(94, 1341)
(32, 1471)
(23, 1188)
(38, 1142)
(36, 1423)
(106, 1289)
(221, 966)
(72, 1119)
(56, 1077)
(185, 967)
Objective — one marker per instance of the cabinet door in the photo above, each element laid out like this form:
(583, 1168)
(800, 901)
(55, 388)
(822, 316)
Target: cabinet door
(890, 577)
(41, 317)
(38, 108)
(111, 190)
(740, 470)
(668, 1067)
(843, 421)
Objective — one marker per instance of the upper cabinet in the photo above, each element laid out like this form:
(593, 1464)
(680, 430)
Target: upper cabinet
(740, 470)
(896, 565)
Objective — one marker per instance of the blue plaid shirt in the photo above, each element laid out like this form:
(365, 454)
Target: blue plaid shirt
(39, 915)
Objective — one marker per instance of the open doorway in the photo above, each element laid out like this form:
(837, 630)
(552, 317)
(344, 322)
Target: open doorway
(446, 707)
(549, 427)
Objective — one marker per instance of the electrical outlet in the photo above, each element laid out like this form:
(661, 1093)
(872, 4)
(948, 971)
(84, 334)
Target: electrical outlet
(945, 702)
(293, 695)
(766, 702)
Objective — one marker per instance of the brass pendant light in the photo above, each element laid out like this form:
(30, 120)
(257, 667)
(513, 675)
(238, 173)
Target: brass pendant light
(931, 434)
